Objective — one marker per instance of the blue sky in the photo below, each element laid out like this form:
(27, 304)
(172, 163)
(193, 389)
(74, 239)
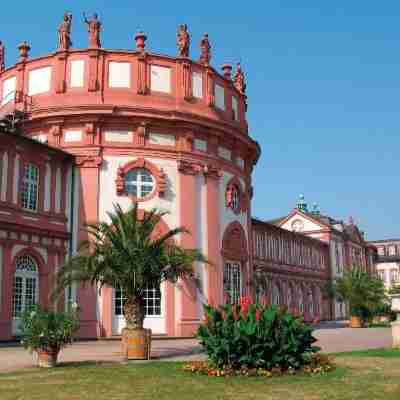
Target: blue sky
(323, 87)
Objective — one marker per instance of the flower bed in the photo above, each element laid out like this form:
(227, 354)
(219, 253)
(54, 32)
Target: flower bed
(257, 340)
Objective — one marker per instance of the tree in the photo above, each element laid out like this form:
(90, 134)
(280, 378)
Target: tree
(126, 254)
(364, 292)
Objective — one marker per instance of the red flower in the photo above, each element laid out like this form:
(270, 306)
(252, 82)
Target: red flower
(258, 314)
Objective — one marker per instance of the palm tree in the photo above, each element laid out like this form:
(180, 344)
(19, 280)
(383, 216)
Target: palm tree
(362, 291)
(126, 254)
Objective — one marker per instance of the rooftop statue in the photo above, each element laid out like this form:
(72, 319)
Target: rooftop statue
(239, 80)
(64, 32)
(94, 28)
(2, 57)
(183, 41)
(205, 50)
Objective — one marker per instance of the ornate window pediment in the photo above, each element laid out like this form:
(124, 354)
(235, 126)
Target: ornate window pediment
(141, 180)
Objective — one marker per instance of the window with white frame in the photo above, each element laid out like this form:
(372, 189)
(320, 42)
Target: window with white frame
(197, 84)
(119, 74)
(26, 282)
(235, 108)
(392, 250)
(394, 275)
(39, 81)
(30, 187)
(77, 73)
(152, 302)
(160, 79)
(9, 86)
(381, 275)
(220, 97)
(381, 250)
(139, 183)
(232, 282)
(301, 300)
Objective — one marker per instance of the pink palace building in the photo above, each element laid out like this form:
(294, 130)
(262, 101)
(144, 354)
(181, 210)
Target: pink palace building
(101, 127)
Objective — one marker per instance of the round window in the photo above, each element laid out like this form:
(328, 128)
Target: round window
(139, 183)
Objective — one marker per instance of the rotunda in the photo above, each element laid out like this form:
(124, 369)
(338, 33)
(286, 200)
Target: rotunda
(164, 131)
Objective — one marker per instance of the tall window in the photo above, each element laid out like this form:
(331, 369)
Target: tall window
(152, 302)
(276, 299)
(25, 290)
(30, 187)
(232, 282)
(139, 182)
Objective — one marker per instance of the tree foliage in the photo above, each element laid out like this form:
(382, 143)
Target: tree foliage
(127, 253)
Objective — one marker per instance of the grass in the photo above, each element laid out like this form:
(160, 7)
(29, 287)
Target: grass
(372, 374)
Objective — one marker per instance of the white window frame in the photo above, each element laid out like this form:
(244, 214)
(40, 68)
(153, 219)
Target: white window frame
(231, 270)
(119, 74)
(77, 73)
(42, 75)
(197, 84)
(30, 188)
(158, 75)
(25, 274)
(10, 94)
(220, 97)
(138, 183)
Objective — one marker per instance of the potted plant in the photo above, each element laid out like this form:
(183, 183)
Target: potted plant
(46, 332)
(363, 293)
(130, 253)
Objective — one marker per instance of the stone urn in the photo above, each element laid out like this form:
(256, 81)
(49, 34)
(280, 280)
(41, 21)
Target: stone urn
(396, 324)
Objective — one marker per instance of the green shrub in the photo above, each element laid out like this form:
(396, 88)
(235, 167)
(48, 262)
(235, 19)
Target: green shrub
(256, 336)
(43, 329)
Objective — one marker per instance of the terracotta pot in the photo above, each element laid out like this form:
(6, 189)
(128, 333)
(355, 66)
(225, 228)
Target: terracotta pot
(356, 322)
(136, 344)
(47, 358)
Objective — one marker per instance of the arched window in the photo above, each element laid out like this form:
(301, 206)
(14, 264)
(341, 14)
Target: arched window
(139, 182)
(311, 305)
(30, 187)
(26, 284)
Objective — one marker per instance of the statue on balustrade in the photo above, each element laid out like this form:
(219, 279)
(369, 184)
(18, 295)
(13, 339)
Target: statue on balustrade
(2, 57)
(94, 28)
(205, 50)
(239, 80)
(183, 41)
(64, 32)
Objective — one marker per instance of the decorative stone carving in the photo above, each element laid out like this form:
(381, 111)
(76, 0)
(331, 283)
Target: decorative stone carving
(140, 39)
(234, 187)
(24, 49)
(189, 167)
(141, 134)
(234, 243)
(56, 132)
(89, 161)
(64, 33)
(227, 71)
(90, 132)
(158, 174)
(210, 88)
(239, 80)
(2, 57)
(183, 41)
(94, 28)
(205, 50)
(212, 171)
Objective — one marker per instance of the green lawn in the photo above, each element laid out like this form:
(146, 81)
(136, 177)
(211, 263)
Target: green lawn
(360, 375)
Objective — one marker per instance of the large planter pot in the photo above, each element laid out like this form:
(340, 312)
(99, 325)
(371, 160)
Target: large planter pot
(47, 358)
(356, 322)
(136, 344)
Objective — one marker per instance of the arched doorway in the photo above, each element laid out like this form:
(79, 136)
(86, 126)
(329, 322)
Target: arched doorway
(235, 257)
(25, 288)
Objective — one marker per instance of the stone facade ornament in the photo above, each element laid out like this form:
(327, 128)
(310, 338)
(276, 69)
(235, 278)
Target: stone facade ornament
(94, 28)
(239, 80)
(24, 49)
(64, 33)
(140, 39)
(205, 50)
(183, 41)
(227, 71)
(2, 57)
